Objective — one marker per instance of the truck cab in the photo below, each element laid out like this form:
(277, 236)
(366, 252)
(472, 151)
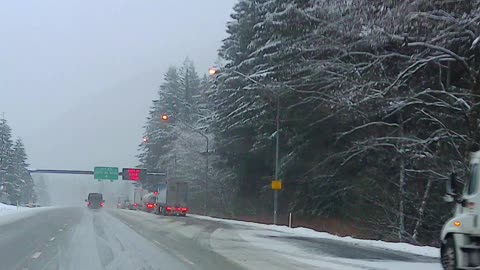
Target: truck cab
(460, 237)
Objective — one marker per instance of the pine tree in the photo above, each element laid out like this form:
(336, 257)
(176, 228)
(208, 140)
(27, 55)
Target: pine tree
(23, 179)
(172, 145)
(6, 163)
(372, 114)
(190, 87)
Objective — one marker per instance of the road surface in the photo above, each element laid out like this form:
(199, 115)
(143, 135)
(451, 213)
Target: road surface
(78, 238)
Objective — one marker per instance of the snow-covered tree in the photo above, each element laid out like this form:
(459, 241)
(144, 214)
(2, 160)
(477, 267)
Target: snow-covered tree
(14, 176)
(23, 179)
(175, 146)
(378, 103)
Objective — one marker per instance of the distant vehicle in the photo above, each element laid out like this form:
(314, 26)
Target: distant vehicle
(172, 199)
(119, 203)
(31, 205)
(127, 204)
(149, 202)
(137, 198)
(95, 200)
(130, 205)
(133, 206)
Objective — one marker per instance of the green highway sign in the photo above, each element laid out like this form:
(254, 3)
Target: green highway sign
(105, 173)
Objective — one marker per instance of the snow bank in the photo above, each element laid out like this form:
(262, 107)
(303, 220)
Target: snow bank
(10, 213)
(6, 209)
(306, 232)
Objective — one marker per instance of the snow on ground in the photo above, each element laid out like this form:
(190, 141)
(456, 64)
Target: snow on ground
(6, 209)
(323, 259)
(306, 232)
(10, 213)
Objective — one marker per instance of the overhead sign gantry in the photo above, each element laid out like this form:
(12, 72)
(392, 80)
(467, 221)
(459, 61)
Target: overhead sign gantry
(106, 173)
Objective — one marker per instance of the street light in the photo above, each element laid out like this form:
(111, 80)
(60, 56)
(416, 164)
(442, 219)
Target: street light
(213, 71)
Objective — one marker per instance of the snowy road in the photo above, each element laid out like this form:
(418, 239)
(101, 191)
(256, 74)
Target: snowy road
(77, 238)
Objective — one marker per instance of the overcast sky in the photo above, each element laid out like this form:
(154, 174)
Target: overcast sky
(77, 76)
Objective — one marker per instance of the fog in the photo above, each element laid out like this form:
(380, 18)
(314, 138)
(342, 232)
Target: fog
(77, 77)
(73, 190)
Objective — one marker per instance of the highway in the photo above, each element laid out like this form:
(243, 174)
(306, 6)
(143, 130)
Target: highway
(113, 239)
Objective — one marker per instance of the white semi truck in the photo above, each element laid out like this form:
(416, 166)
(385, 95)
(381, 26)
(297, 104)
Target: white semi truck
(172, 198)
(460, 247)
(138, 194)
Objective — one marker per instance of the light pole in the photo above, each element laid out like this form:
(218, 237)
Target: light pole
(277, 165)
(213, 71)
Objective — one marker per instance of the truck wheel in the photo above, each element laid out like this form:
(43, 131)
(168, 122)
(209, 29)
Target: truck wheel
(449, 256)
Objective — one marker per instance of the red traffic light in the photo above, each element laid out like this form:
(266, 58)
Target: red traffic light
(164, 117)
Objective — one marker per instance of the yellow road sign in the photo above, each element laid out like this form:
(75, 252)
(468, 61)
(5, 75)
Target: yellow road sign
(277, 184)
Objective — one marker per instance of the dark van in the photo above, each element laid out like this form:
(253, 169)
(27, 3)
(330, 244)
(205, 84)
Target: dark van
(95, 200)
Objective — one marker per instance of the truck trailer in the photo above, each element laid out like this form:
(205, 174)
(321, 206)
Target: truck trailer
(138, 194)
(172, 198)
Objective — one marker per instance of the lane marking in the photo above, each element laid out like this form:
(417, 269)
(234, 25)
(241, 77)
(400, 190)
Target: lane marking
(180, 256)
(60, 230)
(50, 262)
(51, 239)
(36, 255)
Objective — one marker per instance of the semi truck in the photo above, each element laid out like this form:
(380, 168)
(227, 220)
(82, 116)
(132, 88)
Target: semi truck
(149, 201)
(138, 194)
(460, 236)
(172, 198)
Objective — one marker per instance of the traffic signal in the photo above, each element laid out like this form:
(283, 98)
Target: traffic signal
(164, 117)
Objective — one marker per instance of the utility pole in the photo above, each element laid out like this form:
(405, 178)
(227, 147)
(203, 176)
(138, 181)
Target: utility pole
(206, 180)
(277, 172)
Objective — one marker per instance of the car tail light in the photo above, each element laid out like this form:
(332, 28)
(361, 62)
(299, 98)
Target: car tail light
(169, 208)
(88, 203)
(101, 204)
(135, 204)
(184, 209)
(150, 205)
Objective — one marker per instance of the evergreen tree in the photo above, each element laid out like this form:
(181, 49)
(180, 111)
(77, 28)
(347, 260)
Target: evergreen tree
(173, 146)
(372, 115)
(378, 101)
(6, 163)
(23, 179)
